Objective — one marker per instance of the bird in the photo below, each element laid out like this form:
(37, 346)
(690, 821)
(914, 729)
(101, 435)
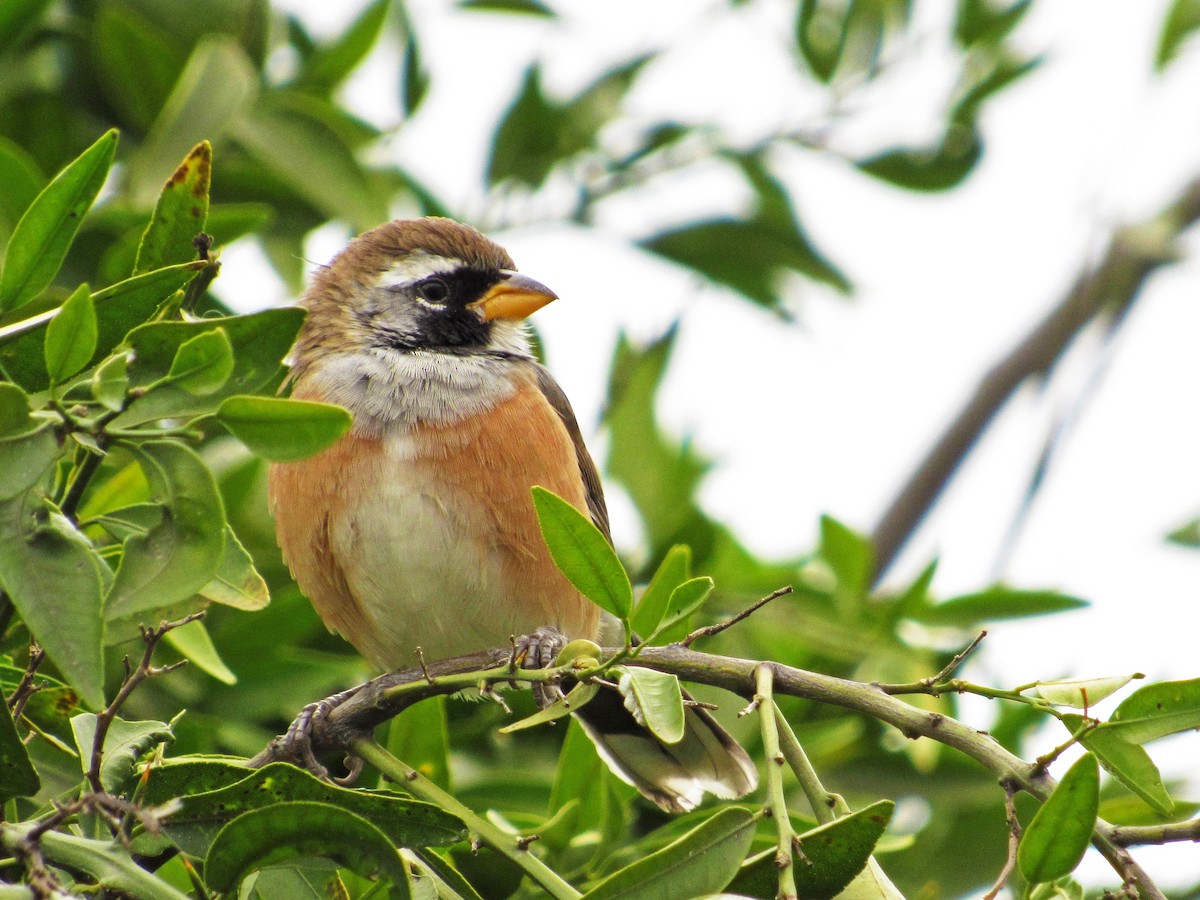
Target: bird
(417, 528)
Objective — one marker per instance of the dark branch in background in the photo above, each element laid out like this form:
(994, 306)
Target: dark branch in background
(336, 729)
(1107, 290)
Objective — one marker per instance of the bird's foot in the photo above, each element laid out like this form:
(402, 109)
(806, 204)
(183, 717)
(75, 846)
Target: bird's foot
(538, 650)
(296, 743)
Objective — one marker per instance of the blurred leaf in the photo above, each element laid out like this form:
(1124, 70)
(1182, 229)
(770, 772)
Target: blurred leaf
(831, 855)
(986, 22)
(42, 237)
(312, 159)
(749, 255)
(20, 183)
(203, 363)
(53, 577)
(652, 606)
(520, 7)
(14, 410)
(850, 556)
(18, 778)
(936, 168)
(655, 700)
(237, 583)
(110, 382)
(214, 89)
(211, 801)
(1127, 761)
(179, 215)
(283, 430)
(420, 738)
(537, 132)
(71, 336)
(821, 27)
(1157, 710)
(119, 36)
(24, 459)
(119, 308)
(330, 64)
(124, 744)
(1056, 839)
(1186, 535)
(701, 862)
(583, 554)
(1183, 18)
(18, 17)
(287, 831)
(259, 340)
(1060, 889)
(994, 72)
(414, 79)
(1081, 693)
(195, 644)
(996, 603)
(181, 554)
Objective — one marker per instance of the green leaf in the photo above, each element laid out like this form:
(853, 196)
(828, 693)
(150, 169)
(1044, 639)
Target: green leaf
(211, 799)
(983, 22)
(1056, 839)
(850, 556)
(125, 743)
(414, 83)
(329, 65)
(936, 168)
(685, 600)
(583, 554)
(821, 27)
(298, 146)
(259, 340)
(997, 603)
(202, 364)
(182, 553)
(655, 700)
(519, 7)
(578, 696)
(14, 410)
(71, 336)
(119, 308)
(286, 831)
(20, 183)
(121, 34)
(1081, 693)
(195, 644)
(41, 239)
(1187, 535)
(109, 865)
(24, 459)
(216, 86)
(284, 430)
(237, 582)
(111, 381)
(701, 862)
(652, 606)
(179, 215)
(749, 256)
(831, 856)
(1158, 710)
(1182, 20)
(18, 778)
(17, 18)
(420, 738)
(54, 578)
(1127, 761)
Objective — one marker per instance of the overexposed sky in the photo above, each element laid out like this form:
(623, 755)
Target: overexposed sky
(829, 415)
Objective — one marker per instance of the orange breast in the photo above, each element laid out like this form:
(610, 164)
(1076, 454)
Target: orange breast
(427, 536)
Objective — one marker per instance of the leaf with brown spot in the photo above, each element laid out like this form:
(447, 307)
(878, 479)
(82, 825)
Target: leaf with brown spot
(179, 214)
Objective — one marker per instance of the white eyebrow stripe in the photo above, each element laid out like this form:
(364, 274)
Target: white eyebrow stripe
(418, 265)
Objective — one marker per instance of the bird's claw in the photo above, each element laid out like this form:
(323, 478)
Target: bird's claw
(538, 650)
(297, 743)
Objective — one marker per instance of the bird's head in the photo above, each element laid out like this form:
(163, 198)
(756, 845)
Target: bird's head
(418, 285)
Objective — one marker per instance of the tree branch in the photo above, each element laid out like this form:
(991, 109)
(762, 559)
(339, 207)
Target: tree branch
(1109, 289)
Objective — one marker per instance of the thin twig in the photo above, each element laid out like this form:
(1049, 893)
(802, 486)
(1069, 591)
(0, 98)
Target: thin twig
(710, 630)
(1014, 840)
(959, 659)
(826, 806)
(26, 688)
(785, 842)
(133, 677)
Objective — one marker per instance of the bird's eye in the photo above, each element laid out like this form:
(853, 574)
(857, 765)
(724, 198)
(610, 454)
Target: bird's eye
(433, 290)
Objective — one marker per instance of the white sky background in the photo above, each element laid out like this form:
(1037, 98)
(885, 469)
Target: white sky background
(830, 414)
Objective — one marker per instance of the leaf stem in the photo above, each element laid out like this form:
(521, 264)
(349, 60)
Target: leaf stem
(785, 857)
(505, 844)
(826, 806)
